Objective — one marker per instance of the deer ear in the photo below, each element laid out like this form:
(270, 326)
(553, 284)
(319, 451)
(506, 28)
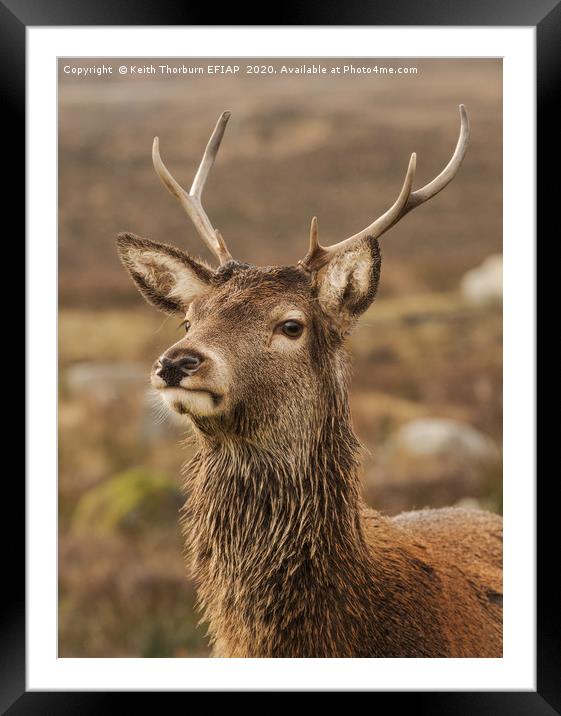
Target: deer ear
(350, 281)
(167, 277)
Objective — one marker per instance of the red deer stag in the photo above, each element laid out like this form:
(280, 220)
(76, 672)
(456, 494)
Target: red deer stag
(288, 559)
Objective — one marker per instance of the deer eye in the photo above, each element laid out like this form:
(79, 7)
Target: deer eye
(186, 325)
(292, 329)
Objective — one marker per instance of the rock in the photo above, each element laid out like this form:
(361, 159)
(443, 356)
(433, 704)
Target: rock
(432, 462)
(442, 438)
(104, 382)
(469, 503)
(484, 285)
(130, 501)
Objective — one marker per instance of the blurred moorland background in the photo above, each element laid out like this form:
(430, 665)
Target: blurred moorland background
(426, 393)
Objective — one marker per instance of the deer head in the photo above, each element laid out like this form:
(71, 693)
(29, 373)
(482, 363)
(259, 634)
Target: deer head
(263, 346)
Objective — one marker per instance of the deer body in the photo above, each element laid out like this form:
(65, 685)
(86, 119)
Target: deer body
(288, 559)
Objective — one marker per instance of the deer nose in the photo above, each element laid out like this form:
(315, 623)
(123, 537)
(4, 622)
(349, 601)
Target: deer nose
(174, 370)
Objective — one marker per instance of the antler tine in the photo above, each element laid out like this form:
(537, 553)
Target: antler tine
(318, 256)
(191, 202)
(314, 243)
(448, 173)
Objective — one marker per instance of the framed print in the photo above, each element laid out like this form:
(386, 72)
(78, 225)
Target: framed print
(326, 532)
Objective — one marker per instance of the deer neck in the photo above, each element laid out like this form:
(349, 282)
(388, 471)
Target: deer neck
(272, 530)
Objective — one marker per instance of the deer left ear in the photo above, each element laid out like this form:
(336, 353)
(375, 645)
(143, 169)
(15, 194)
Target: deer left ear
(350, 281)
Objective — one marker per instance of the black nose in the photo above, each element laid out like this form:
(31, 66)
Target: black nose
(173, 371)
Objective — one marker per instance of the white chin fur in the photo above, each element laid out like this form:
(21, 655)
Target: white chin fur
(187, 402)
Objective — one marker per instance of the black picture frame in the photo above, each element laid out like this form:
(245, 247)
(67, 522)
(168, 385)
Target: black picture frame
(545, 16)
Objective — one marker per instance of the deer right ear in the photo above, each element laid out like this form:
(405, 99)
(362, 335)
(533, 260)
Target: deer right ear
(167, 277)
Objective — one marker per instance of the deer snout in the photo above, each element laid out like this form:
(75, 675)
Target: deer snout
(173, 370)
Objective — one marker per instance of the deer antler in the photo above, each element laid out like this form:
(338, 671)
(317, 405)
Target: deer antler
(318, 256)
(191, 202)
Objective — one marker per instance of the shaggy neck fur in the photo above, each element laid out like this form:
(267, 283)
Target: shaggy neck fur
(275, 536)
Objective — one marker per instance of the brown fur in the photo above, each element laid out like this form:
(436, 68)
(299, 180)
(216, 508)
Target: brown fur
(288, 559)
